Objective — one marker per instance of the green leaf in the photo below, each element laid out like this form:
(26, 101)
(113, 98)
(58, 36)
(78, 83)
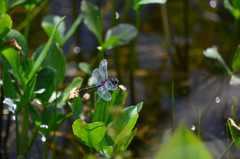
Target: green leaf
(124, 134)
(35, 115)
(236, 60)
(151, 1)
(13, 58)
(105, 147)
(123, 32)
(54, 59)
(85, 67)
(89, 134)
(183, 144)
(23, 2)
(14, 34)
(91, 18)
(49, 22)
(8, 86)
(102, 108)
(45, 84)
(236, 4)
(6, 25)
(235, 132)
(127, 116)
(127, 141)
(76, 82)
(212, 53)
(3, 7)
(234, 81)
(44, 52)
(72, 29)
(27, 95)
(76, 106)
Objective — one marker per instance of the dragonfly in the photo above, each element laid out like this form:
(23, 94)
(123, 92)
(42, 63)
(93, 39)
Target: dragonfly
(102, 82)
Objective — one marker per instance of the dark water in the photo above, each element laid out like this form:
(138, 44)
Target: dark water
(200, 86)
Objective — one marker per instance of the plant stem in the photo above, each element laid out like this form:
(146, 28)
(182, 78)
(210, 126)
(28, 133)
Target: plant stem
(115, 49)
(45, 148)
(34, 134)
(28, 18)
(226, 150)
(173, 104)
(24, 135)
(133, 59)
(17, 134)
(100, 23)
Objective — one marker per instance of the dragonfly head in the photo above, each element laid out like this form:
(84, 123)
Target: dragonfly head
(114, 81)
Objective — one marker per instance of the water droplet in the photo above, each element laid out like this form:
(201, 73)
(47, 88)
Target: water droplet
(13, 117)
(40, 91)
(11, 105)
(43, 138)
(213, 4)
(76, 50)
(193, 127)
(117, 15)
(44, 126)
(218, 100)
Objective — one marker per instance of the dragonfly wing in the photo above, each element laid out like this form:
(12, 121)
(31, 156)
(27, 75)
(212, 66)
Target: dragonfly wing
(104, 93)
(96, 77)
(103, 69)
(109, 85)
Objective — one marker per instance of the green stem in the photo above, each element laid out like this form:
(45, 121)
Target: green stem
(226, 150)
(45, 148)
(24, 135)
(133, 59)
(31, 141)
(100, 23)
(173, 104)
(17, 134)
(115, 50)
(26, 31)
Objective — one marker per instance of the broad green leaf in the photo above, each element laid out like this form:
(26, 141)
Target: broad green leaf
(183, 144)
(27, 95)
(72, 29)
(14, 34)
(8, 86)
(123, 32)
(236, 60)
(89, 134)
(6, 25)
(76, 82)
(35, 115)
(45, 84)
(212, 53)
(85, 67)
(76, 106)
(151, 1)
(235, 132)
(91, 18)
(3, 7)
(127, 116)
(105, 147)
(44, 52)
(102, 108)
(54, 59)
(49, 22)
(123, 135)
(110, 43)
(127, 141)
(13, 58)
(234, 81)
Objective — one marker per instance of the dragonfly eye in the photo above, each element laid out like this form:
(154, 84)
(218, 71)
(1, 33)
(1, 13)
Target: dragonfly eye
(114, 81)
